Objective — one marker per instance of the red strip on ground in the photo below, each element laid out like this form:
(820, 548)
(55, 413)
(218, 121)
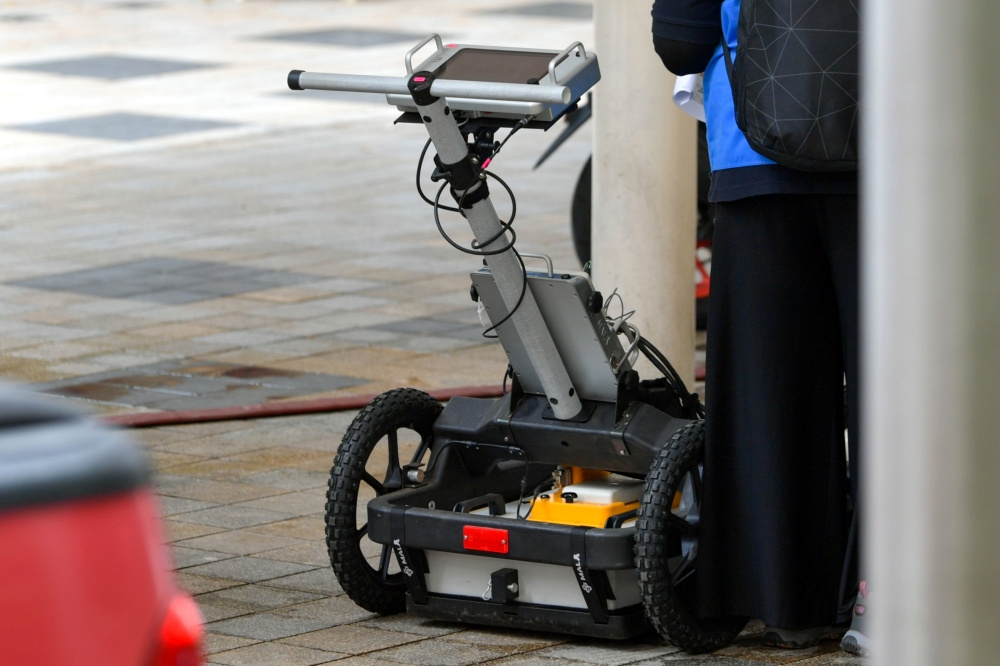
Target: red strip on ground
(273, 409)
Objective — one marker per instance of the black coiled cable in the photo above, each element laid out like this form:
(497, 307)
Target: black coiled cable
(505, 226)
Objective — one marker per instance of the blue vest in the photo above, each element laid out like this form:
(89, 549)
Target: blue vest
(727, 147)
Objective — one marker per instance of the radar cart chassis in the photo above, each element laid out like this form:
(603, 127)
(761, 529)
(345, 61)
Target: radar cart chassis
(572, 503)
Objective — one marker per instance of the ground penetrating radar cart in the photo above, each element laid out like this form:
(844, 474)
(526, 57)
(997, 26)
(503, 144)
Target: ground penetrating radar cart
(571, 503)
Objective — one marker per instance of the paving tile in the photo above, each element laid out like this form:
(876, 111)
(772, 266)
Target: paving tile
(750, 648)
(837, 658)
(231, 516)
(172, 506)
(295, 503)
(256, 598)
(346, 37)
(266, 626)
(437, 652)
(221, 643)
(20, 18)
(502, 638)
(240, 542)
(533, 659)
(360, 661)
(303, 527)
(561, 10)
(412, 625)
(333, 610)
(352, 639)
(313, 553)
(196, 584)
(110, 67)
(163, 461)
(605, 654)
(219, 492)
(320, 581)
(214, 613)
(217, 469)
(123, 127)
(247, 569)
(684, 659)
(433, 344)
(289, 479)
(177, 531)
(185, 384)
(274, 654)
(188, 557)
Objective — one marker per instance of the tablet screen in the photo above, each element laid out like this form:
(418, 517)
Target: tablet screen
(495, 66)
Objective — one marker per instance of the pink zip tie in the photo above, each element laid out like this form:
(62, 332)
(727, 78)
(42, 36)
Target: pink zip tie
(487, 162)
(419, 79)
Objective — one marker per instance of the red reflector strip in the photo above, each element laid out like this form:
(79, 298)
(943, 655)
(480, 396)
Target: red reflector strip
(486, 539)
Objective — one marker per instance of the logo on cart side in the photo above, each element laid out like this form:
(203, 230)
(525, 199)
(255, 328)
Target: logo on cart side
(402, 558)
(578, 566)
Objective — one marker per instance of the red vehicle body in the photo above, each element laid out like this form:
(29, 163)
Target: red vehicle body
(85, 575)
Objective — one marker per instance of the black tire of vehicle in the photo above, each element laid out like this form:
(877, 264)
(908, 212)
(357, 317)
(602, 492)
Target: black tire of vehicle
(580, 214)
(374, 590)
(674, 617)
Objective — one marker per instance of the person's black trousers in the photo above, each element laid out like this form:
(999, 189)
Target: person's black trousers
(782, 333)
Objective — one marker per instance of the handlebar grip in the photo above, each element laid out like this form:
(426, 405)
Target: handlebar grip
(397, 85)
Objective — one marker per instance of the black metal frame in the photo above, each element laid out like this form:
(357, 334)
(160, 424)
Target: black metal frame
(487, 451)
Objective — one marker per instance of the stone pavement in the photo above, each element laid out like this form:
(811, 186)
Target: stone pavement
(244, 502)
(179, 230)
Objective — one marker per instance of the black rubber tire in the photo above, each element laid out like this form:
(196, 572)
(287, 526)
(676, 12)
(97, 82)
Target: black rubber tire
(669, 607)
(580, 214)
(373, 589)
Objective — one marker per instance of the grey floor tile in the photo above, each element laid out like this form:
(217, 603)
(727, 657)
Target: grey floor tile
(298, 503)
(420, 326)
(319, 581)
(188, 557)
(172, 506)
(180, 385)
(110, 67)
(247, 569)
(274, 654)
(257, 598)
(437, 652)
(20, 18)
(220, 642)
(232, 516)
(213, 613)
(352, 639)
(122, 126)
(333, 610)
(563, 10)
(346, 37)
(239, 542)
(413, 625)
(290, 479)
(607, 654)
(266, 626)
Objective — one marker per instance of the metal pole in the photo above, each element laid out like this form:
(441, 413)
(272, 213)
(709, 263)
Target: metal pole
(505, 267)
(931, 276)
(644, 184)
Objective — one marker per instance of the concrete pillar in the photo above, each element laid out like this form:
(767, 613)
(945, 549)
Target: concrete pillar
(931, 247)
(645, 184)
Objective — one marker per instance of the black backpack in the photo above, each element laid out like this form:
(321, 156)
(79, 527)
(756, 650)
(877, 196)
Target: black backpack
(795, 81)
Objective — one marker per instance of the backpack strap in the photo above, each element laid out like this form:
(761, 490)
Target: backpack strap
(729, 60)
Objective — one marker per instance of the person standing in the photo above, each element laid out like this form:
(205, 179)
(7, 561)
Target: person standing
(782, 336)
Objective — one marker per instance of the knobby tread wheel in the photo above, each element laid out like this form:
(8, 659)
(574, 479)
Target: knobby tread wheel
(666, 547)
(374, 589)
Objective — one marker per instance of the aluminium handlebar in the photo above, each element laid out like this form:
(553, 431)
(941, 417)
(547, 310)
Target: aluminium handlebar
(397, 85)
